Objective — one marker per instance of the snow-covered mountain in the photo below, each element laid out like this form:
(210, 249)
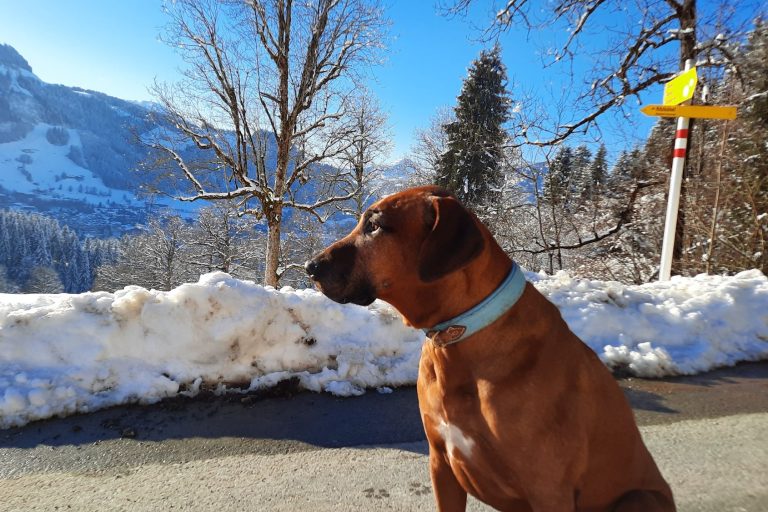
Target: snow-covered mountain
(393, 177)
(70, 152)
(75, 155)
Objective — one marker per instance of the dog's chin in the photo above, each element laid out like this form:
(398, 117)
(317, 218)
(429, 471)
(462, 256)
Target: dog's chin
(362, 296)
(361, 300)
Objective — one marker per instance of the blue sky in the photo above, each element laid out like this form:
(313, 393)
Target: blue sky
(113, 47)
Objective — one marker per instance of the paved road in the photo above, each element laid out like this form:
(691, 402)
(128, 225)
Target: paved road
(708, 433)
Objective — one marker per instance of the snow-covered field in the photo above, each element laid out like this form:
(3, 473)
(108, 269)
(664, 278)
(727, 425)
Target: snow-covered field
(61, 354)
(33, 165)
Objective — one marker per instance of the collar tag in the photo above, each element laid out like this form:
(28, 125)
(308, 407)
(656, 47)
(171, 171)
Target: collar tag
(447, 336)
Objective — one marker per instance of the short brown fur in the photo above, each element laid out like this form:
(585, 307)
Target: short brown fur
(550, 430)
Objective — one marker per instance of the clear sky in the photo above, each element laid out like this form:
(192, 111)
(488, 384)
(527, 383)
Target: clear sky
(112, 46)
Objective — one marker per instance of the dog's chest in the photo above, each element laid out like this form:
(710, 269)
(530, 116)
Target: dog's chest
(458, 430)
(457, 442)
(450, 412)
(461, 441)
(454, 439)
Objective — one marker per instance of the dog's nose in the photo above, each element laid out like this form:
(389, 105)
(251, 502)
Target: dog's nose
(311, 266)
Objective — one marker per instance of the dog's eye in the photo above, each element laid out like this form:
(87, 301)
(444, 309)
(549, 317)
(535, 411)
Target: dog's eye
(371, 227)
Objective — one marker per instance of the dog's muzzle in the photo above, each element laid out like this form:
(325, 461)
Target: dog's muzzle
(333, 273)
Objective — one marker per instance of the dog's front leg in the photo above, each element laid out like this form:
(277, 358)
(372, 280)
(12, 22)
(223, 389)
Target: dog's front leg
(449, 494)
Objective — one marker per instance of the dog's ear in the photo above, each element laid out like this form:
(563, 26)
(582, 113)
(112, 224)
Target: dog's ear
(454, 241)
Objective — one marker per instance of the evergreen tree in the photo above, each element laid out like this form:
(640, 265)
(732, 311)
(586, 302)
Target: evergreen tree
(557, 182)
(472, 166)
(621, 173)
(30, 242)
(582, 158)
(597, 173)
(628, 168)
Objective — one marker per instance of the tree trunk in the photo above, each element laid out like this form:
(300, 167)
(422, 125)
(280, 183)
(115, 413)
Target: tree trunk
(716, 208)
(359, 197)
(271, 277)
(687, 14)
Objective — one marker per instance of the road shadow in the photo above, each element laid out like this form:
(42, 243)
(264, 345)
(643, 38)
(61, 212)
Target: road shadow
(739, 389)
(647, 401)
(282, 414)
(728, 375)
(303, 419)
(316, 419)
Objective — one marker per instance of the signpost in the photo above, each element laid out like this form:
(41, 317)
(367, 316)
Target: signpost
(696, 111)
(678, 90)
(682, 87)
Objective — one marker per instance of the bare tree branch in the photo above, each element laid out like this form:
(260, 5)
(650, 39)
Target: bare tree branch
(265, 64)
(624, 217)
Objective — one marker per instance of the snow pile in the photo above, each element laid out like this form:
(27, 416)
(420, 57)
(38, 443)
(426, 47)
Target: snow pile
(61, 354)
(684, 326)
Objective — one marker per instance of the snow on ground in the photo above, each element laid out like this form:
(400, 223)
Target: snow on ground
(61, 354)
(684, 326)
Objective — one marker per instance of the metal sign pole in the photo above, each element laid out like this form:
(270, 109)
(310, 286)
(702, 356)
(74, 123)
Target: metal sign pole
(675, 183)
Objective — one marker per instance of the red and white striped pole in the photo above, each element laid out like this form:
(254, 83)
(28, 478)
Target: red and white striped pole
(675, 182)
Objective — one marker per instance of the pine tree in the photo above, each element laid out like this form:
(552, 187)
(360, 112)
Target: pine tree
(557, 182)
(582, 158)
(472, 166)
(29, 241)
(597, 173)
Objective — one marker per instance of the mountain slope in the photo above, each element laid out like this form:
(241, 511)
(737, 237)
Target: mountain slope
(70, 152)
(75, 154)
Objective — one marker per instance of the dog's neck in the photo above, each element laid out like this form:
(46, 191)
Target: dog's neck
(428, 305)
(483, 314)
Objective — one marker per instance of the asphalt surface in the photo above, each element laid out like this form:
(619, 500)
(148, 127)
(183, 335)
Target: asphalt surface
(295, 451)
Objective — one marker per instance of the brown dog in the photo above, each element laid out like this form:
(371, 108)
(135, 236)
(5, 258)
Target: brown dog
(521, 414)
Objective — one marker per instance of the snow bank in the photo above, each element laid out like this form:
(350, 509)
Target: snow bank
(684, 326)
(61, 354)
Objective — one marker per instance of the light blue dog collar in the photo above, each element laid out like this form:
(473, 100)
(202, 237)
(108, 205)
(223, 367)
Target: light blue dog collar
(481, 316)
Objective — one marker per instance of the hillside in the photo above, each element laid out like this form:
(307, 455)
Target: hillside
(74, 154)
(70, 152)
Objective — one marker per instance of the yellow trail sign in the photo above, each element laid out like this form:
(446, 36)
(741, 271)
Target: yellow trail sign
(680, 88)
(697, 111)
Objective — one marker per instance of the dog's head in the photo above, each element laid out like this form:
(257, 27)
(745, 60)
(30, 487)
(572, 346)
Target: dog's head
(403, 242)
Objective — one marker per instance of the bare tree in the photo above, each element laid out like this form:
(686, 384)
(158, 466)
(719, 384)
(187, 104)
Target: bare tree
(262, 101)
(222, 240)
(151, 259)
(431, 142)
(43, 279)
(369, 146)
(6, 286)
(635, 57)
